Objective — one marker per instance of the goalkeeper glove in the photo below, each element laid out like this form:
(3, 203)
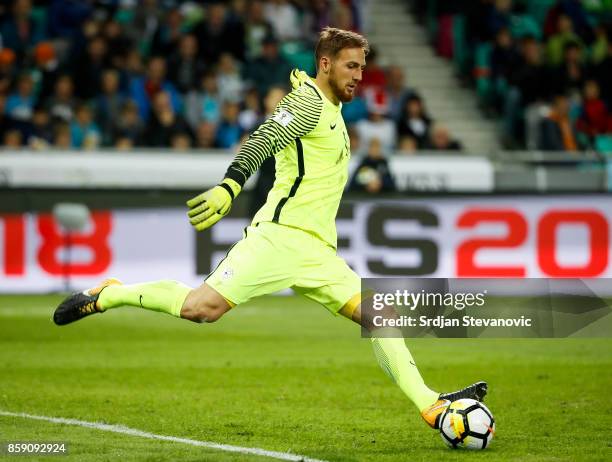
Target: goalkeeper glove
(209, 207)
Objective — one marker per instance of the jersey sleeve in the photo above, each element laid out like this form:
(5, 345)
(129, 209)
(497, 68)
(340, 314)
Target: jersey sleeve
(295, 116)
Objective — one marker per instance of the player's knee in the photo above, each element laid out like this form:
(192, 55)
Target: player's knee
(201, 311)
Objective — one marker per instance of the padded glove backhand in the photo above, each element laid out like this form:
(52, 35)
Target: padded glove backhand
(209, 207)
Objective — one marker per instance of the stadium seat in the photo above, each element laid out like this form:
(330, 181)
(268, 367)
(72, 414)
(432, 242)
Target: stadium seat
(603, 143)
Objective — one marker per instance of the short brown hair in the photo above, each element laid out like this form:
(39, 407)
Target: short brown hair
(332, 40)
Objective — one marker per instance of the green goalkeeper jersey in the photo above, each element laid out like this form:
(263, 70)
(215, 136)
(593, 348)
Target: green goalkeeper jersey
(307, 136)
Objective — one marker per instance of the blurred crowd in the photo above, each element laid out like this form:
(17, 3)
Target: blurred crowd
(189, 74)
(544, 66)
(126, 73)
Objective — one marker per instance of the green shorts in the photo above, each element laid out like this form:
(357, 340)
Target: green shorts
(272, 257)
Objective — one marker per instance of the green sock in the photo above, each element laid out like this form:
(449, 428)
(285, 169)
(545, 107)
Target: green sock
(165, 296)
(395, 359)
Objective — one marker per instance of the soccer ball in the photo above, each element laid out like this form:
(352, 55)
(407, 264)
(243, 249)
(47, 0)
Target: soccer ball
(468, 424)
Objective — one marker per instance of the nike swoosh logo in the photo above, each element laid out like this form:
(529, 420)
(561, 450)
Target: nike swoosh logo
(444, 404)
(332, 126)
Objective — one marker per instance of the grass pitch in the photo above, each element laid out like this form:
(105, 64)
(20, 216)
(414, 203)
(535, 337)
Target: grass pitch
(283, 375)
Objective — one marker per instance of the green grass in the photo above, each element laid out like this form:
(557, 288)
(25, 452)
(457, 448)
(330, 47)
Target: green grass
(282, 374)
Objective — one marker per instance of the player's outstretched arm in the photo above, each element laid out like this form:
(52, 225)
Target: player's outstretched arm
(295, 116)
(209, 207)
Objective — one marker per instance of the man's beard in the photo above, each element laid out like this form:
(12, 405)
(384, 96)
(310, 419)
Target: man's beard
(340, 92)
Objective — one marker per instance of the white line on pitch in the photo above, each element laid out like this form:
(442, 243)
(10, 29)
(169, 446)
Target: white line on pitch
(135, 432)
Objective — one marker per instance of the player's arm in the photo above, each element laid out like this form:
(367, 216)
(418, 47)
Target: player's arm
(295, 116)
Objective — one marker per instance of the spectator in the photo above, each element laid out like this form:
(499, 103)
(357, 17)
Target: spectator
(397, 91)
(88, 67)
(185, 68)
(505, 59)
(6, 122)
(41, 132)
(570, 76)
(8, 70)
(283, 17)
(256, 30)
(84, 133)
(180, 141)
(556, 130)
(164, 122)
(62, 103)
(498, 17)
(504, 56)
(342, 17)
(580, 19)
(251, 115)
(204, 105)
(531, 76)
(407, 145)
(414, 121)
(373, 174)
(109, 104)
(555, 48)
(267, 171)
(20, 103)
(599, 48)
(595, 118)
(270, 69)
(124, 143)
(374, 75)
(229, 81)
(578, 16)
(217, 35)
(205, 135)
(354, 142)
(355, 111)
(12, 139)
(130, 70)
(19, 31)
(144, 89)
(46, 69)
(318, 16)
(477, 14)
(377, 125)
(66, 18)
(62, 138)
(440, 139)
(145, 24)
(168, 34)
(117, 41)
(129, 124)
(603, 74)
(238, 11)
(229, 131)
(530, 86)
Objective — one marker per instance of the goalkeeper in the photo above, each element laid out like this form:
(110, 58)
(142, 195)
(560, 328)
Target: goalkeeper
(291, 241)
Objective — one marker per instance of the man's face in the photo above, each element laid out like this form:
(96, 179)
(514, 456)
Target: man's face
(345, 73)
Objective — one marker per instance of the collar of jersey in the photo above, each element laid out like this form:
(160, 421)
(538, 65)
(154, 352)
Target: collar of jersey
(337, 107)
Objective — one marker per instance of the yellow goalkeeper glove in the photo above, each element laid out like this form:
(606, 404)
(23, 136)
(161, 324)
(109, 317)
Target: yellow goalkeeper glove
(209, 207)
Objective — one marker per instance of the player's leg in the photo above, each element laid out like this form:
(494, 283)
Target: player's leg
(205, 304)
(395, 359)
(165, 296)
(392, 354)
(202, 304)
(338, 288)
(253, 267)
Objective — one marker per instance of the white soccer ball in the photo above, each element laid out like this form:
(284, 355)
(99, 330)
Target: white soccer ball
(468, 424)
